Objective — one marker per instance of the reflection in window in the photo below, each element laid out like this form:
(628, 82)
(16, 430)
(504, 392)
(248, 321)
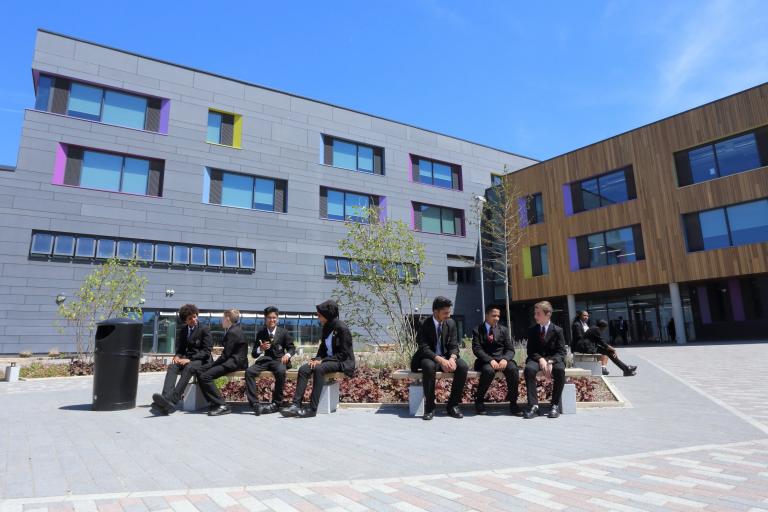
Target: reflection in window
(733, 155)
(65, 245)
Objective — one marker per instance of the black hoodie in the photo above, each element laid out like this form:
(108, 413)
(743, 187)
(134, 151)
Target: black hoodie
(341, 342)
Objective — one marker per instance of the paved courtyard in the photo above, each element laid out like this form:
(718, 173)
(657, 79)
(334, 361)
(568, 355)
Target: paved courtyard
(692, 437)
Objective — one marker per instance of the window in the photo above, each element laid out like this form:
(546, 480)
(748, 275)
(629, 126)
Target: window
(64, 245)
(231, 258)
(535, 261)
(86, 247)
(533, 205)
(113, 172)
(433, 172)
(125, 250)
(459, 275)
(437, 219)
(197, 256)
(244, 191)
(612, 188)
(353, 155)
(335, 266)
(247, 260)
(180, 255)
(739, 224)
(343, 205)
(163, 253)
(105, 249)
(215, 257)
(733, 155)
(224, 128)
(94, 103)
(145, 251)
(499, 292)
(495, 179)
(622, 245)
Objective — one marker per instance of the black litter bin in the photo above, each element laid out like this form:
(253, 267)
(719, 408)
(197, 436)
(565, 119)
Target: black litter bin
(116, 364)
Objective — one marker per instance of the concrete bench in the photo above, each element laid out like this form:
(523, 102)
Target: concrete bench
(416, 392)
(329, 399)
(588, 361)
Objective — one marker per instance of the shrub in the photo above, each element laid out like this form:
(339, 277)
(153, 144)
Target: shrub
(54, 353)
(38, 370)
(153, 365)
(25, 354)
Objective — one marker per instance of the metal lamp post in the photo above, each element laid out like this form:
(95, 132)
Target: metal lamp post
(480, 202)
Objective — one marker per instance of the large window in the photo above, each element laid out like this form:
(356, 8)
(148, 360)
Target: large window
(244, 191)
(460, 275)
(336, 266)
(534, 209)
(224, 128)
(613, 247)
(434, 172)
(353, 155)
(535, 261)
(612, 188)
(739, 224)
(733, 155)
(438, 219)
(343, 205)
(76, 99)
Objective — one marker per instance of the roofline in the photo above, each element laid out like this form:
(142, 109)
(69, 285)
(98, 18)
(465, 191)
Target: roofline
(10, 168)
(251, 84)
(664, 119)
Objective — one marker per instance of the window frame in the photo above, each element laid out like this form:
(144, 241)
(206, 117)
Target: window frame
(630, 187)
(461, 224)
(416, 171)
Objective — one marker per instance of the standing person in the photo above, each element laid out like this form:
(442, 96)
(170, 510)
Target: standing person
(335, 354)
(622, 328)
(438, 347)
(193, 350)
(546, 353)
(579, 326)
(594, 343)
(273, 351)
(234, 358)
(495, 351)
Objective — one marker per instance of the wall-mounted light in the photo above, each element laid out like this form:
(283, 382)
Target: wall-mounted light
(142, 301)
(60, 298)
(169, 292)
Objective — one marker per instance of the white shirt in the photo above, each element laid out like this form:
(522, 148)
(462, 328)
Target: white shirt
(546, 328)
(438, 345)
(584, 326)
(329, 344)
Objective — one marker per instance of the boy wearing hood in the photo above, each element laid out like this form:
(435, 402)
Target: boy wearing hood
(334, 354)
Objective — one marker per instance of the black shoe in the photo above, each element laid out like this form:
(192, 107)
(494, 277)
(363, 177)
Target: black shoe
(515, 410)
(306, 412)
(428, 416)
(163, 403)
(221, 410)
(632, 370)
(157, 410)
(554, 412)
(291, 411)
(480, 408)
(269, 408)
(531, 413)
(455, 412)
(256, 409)
(605, 371)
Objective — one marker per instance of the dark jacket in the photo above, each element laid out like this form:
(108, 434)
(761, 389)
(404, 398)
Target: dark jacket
(591, 341)
(341, 341)
(426, 340)
(553, 346)
(281, 344)
(235, 355)
(577, 332)
(198, 346)
(485, 349)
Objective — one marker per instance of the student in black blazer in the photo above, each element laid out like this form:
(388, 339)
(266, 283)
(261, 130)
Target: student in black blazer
(193, 350)
(546, 353)
(334, 354)
(234, 358)
(437, 346)
(579, 327)
(273, 350)
(494, 351)
(594, 343)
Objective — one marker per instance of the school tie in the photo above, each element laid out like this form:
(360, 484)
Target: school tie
(542, 333)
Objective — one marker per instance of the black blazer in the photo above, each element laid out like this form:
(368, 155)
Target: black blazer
(235, 353)
(341, 342)
(553, 346)
(577, 332)
(592, 340)
(426, 340)
(502, 346)
(281, 344)
(198, 346)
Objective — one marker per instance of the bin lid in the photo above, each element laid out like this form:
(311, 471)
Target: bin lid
(122, 321)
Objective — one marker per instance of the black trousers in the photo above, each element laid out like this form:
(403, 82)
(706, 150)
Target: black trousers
(208, 374)
(558, 375)
(487, 373)
(594, 348)
(428, 368)
(265, 364)
(318, 381)
(173, 390)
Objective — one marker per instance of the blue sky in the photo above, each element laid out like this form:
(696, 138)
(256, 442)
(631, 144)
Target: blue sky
(538, 81)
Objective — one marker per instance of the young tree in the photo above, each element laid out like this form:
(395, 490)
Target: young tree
(381, 294)
(112, 290)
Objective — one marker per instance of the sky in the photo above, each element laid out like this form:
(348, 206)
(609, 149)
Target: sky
(534, 78)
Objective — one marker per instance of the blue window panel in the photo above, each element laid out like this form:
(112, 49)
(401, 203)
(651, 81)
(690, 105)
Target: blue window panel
(64, 246)
(42, 243)
(354, 204)
(230, 258)
(430, 219)
(597, 250)
(331, 266)
(448, 221)
(442, 175)
(355, 267)
(105, 249)
(85, 248)
(43, 93)
(365, 158)
(714, 229)
(335, 205)
(180, 255)
(197, 256)
(495, 180)
(215, 257)
(264, 195)
(344, 267)
(247, 260)
(237, 190)
(748, 222)
(590, 193)
(425, 171)
(539, 206)
(703, 166)
(738, 154)
(124, 109)
(85, 101)
(145, 251)
(613, 188)
(344, 154)
(544, 251)
(125, 250)
(135, 175)
(213, 134)
(620, 246)
(101, 171)
(163, 253)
